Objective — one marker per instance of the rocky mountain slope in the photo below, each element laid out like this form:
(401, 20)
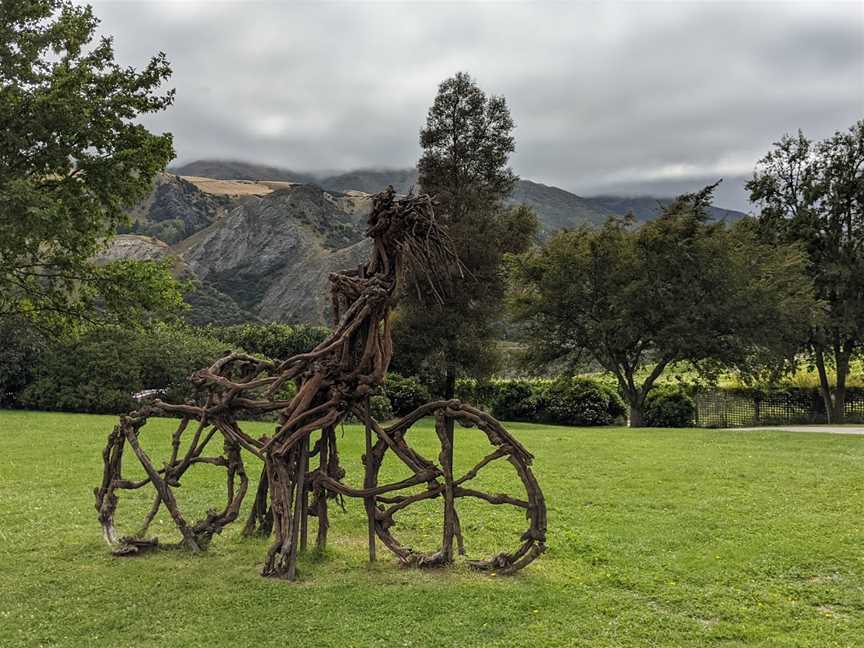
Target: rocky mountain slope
(555, 207)
(257, 250)
(175, 210)
(271, 254)
(371, 180)
(260, 245)
(233, 170)
(558, 209)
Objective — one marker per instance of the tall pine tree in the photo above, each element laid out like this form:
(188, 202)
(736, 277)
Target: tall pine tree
(466, 144)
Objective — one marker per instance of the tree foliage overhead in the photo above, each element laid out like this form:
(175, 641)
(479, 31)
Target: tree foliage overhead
(679, 288)
(813, 193)
(466, 145)
(72, 159)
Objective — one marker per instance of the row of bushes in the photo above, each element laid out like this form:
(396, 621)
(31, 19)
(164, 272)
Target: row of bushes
(574, 401)
(566, 401)
(98, 371)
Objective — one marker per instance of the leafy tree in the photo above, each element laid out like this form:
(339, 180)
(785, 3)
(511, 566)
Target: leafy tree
(814, 194)
(679, 288)
(208, 305)
(19, 353)
(72, 159)
(466, 145)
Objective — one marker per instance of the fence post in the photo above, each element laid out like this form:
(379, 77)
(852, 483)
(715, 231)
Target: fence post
(696, 413)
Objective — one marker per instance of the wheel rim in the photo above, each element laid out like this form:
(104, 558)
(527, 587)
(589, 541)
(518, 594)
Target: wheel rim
(453, 487)
(125, 438)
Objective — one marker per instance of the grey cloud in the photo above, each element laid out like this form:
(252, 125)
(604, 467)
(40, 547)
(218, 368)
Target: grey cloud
(642, 98)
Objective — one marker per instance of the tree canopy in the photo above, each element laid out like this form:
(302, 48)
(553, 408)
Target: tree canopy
(466, 145)
(73, 158)
(813, 194)
(677, 289)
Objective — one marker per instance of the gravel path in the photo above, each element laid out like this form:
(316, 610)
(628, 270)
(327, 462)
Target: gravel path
(825, 429)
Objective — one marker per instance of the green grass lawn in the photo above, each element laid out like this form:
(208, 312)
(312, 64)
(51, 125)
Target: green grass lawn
(656, 537)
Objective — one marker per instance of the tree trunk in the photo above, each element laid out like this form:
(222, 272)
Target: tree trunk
(450, 384)
(835, 403)
(842, 361)
(449, 393)
(824, 384)
(635, 401)
(635, 395)
(636, 420)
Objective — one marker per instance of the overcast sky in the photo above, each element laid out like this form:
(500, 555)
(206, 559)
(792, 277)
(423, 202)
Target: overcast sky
(649, 97)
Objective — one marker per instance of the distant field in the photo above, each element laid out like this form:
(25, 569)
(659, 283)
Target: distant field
(660, 538)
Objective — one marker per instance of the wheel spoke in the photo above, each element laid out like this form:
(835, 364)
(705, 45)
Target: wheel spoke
(404, 502)
(500, 498)
(444, 428)
(502, 451)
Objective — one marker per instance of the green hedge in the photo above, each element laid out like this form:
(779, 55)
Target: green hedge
(100, 370)
(277, 341)
(667, 406)
(19, 352)
(565, 401)
(516, 400)
(405, 394)
(580, 401)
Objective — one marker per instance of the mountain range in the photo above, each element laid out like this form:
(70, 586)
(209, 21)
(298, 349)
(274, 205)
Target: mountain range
(260, 241)
(556, 208)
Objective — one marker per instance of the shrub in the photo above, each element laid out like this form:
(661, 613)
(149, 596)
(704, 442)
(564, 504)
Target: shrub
(580, 401)
(379, 408)
(516, 400)
(276, 341)
(99, 370)
(568, 401)
(479, 393)
(19, 352)
(171, 231)
(668, 407)
(405, 394)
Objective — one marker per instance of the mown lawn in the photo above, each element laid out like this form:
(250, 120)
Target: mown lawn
(660, 537)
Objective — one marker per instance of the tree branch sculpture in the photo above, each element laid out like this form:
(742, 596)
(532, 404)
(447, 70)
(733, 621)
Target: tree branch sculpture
(333, 380)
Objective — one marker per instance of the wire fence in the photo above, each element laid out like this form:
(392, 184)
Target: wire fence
(727, 408)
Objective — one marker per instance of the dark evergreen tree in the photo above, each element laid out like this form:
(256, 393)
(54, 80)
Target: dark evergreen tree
(466, 144)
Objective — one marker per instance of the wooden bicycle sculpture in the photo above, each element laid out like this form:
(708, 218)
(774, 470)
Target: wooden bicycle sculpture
(332, 381)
